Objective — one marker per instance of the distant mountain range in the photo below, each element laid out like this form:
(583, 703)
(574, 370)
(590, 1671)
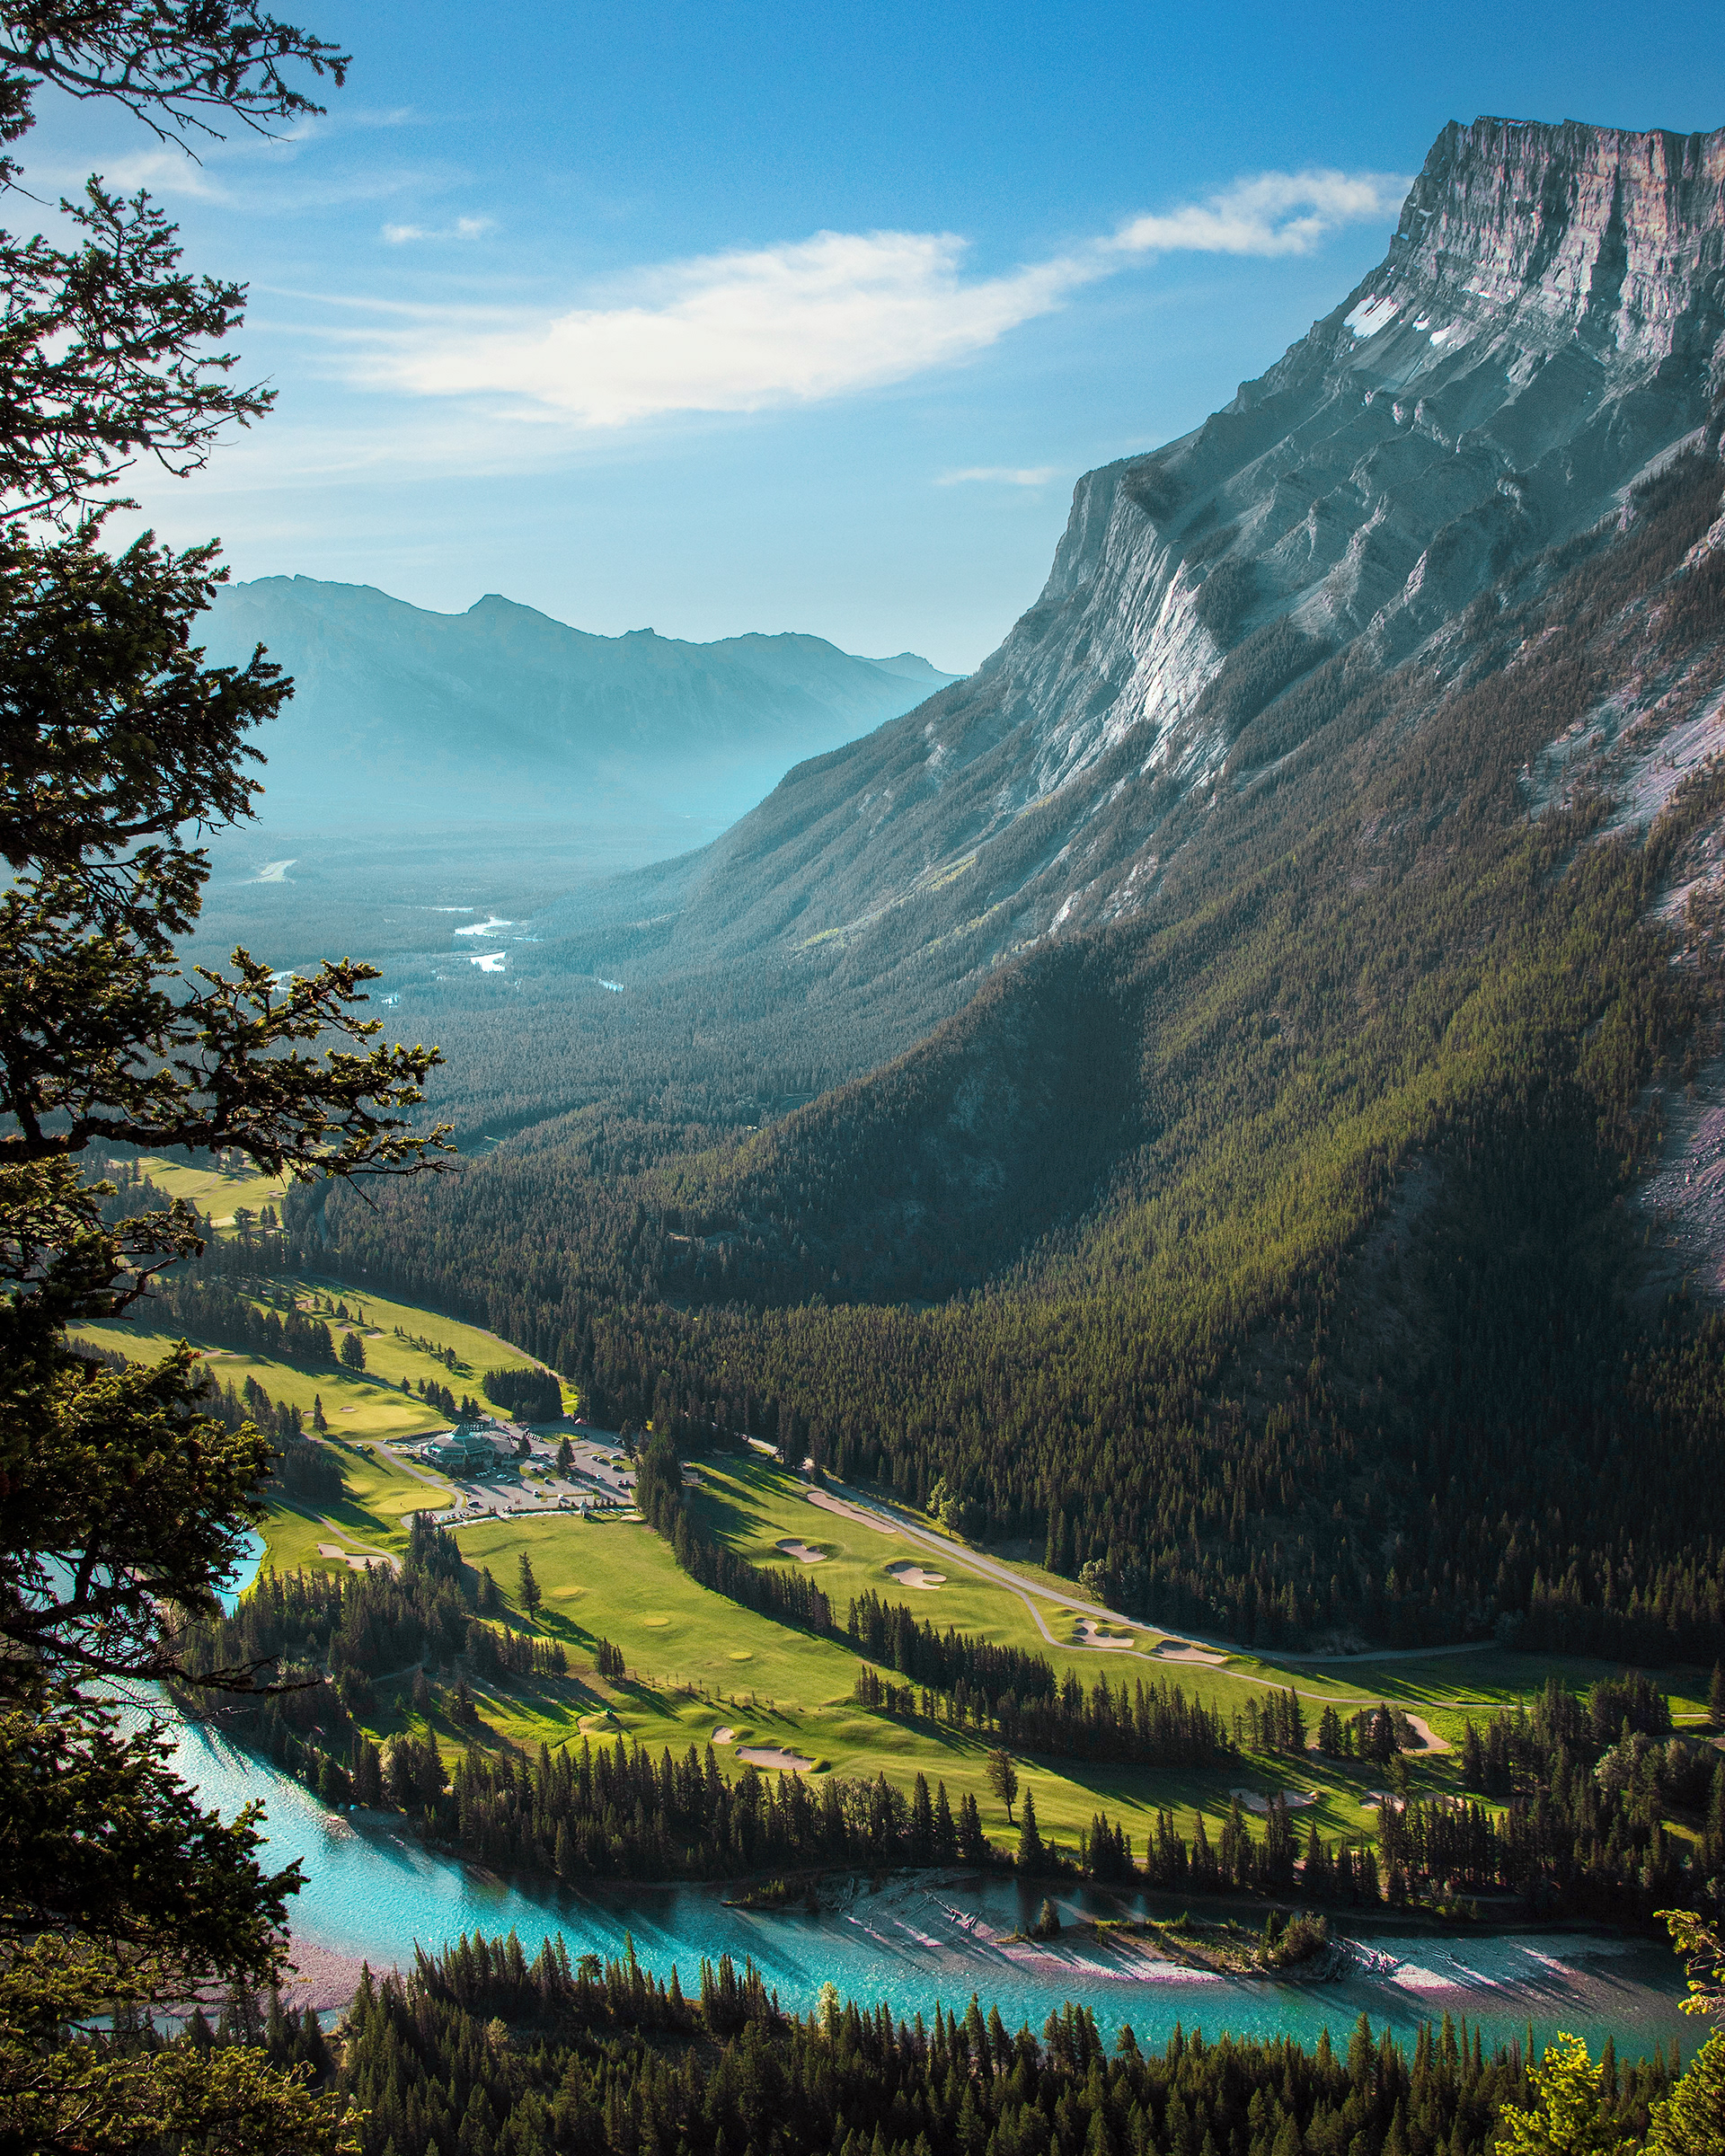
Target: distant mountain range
(404, 716)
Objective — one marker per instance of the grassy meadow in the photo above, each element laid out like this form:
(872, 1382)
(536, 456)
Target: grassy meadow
(696, 1663)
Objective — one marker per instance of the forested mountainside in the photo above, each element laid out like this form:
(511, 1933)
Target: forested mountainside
(501, 711)
(1268, 1243)
(1271, 1259)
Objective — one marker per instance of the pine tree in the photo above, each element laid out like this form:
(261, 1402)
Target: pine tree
(1032, 1855)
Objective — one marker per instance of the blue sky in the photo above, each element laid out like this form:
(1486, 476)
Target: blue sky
(717, 317)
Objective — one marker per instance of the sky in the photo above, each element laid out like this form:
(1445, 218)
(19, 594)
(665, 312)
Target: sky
(735, 316)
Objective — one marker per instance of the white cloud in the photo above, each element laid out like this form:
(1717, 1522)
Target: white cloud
(734, 332)
(464, 228)
(1275, 213)
(816, 318)
(1006, 475)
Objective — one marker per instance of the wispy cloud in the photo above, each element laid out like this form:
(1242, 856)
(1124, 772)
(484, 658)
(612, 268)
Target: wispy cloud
(1272, 214)
(464, 228)
(1004, 476)
(735, 332)
(816, 318)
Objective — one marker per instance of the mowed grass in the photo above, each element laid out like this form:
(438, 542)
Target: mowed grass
(367, 1407)
(696, 1663)
(354, 1406)
(394, 1358)
(753, 1504)
(382, 1496)
(215, 1191)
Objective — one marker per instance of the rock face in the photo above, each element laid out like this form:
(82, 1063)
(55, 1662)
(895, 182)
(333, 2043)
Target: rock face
(1545, 328)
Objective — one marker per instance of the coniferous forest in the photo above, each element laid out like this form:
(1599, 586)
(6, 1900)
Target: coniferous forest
(481, 2050)
(1315, 1198)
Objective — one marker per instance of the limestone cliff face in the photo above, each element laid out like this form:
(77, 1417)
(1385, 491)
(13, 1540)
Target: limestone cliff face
(1545, 328)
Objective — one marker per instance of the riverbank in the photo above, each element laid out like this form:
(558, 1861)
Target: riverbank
(372, 1893)
(324, 1978)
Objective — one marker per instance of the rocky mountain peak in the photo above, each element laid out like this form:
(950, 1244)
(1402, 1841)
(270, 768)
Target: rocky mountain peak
(1543, 333)
(1597, 228)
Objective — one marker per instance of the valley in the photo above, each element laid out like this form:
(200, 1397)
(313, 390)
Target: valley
(1204, 1169)
(769, 1338)
(695, 1668)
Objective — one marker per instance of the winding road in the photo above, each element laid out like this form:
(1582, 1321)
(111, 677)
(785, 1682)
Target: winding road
(895, 1522)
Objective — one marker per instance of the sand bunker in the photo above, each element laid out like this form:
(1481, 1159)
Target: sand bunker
(829, 1503)
(805, 1553)
(1094, 1634)
(774, 1755)
(351, 1558)
(1295, 1800)
(724, 1735)
(1428, 1736)
(1182, 1650)
(910, 1574)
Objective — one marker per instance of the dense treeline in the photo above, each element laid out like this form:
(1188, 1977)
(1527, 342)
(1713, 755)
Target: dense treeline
(1019, 1696)
(1330, 1247)
(1589, 1787)
(787, 1596)
(209, 1309)
(306, 1472)
(322, 1643)
(480, 2053)
(615, 1811)
(527, 1395)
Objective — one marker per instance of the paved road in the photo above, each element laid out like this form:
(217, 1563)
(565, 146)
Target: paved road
(1002, 1575)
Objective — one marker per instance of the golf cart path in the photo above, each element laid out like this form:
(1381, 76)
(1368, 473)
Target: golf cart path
(895, 1522)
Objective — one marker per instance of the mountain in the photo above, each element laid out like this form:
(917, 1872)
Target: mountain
(1543, 331)
(1232, 1091)
(440, 718)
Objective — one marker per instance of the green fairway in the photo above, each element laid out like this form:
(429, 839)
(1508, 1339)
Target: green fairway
(416, 1350)
(215, 1191)
(696, 1663)
(354, 1406)
(400, 1341)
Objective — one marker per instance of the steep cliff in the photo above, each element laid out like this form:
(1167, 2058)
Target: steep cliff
(1544, 330)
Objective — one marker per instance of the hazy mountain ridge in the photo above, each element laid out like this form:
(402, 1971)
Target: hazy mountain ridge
(1543, 331)
(502, 711)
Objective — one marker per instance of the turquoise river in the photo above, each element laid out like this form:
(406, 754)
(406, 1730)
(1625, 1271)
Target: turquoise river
(375, 1894)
